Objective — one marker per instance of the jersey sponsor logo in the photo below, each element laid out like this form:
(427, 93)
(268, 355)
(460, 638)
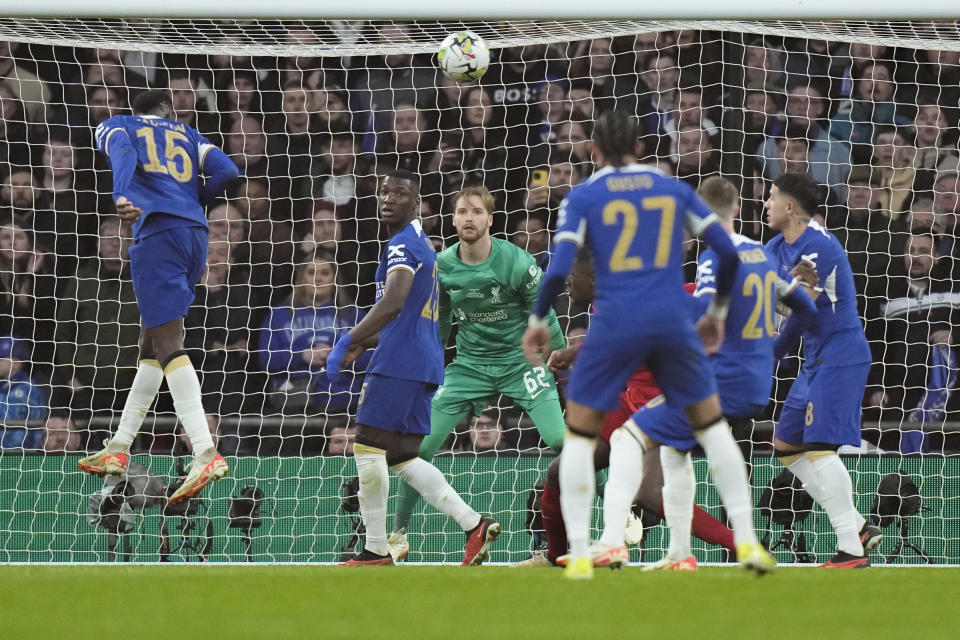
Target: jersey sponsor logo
(495, 294)
(396, 251)
(485, 317)
(474, 293)
(461, 315)
(536, 273)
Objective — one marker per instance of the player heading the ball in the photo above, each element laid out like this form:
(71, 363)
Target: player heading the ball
(156, 163)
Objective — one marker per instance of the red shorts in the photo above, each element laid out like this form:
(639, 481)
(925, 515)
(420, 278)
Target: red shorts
(641, 389)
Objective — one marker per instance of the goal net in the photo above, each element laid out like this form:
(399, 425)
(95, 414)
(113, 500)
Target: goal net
(313, 112)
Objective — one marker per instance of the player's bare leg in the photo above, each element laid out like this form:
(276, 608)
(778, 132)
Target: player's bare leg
(730, 477)
(578, 485)
(828, 482)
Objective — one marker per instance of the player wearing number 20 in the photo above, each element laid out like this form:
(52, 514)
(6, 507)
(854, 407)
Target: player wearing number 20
(156, 164)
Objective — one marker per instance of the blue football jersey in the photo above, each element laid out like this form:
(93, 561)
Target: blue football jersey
(170, 158)
(409, 347)
(744, 363)
(632, 218)
(840, 340)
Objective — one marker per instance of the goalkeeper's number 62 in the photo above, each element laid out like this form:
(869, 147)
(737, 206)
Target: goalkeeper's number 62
(535, 380)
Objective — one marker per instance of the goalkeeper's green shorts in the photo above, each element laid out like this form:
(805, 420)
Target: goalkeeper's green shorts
(472, 386)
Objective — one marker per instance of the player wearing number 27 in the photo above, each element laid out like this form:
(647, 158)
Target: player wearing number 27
(632, 218)
(156, 164)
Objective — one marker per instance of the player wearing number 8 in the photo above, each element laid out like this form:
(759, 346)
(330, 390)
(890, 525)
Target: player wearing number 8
(487, 286)
(156, 164)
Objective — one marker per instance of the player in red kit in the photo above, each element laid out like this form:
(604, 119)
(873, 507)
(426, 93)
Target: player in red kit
(641, 388)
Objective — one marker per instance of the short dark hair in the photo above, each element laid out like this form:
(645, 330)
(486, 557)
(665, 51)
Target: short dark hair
(403, 174)
(615, 134)
(147, 102)
(802, 189)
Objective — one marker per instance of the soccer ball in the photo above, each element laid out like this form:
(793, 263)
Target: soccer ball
(463, 56)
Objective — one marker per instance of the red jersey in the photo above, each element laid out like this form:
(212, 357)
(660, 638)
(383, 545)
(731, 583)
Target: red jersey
(641, 389)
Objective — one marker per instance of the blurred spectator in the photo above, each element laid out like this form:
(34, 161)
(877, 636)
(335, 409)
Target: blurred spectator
(341, 434)
(583, 108)
(237, 96)
(530, 233)
(805, 111)
(547, 188)
(246, 144)
(871, 104)
(325, 232)
(513, 78)
(933, 149)
(293, 149)
(381, 83)
(553, 107)
(191, 107)
(409, 137)
(297, 336)
(485, 433)
(98, 328)
(60, 435)
(14, 147)
(874, 242)
(30, 90)
(217, 335)
(923, 217)
(28, 294)
(263, 248)
(328, 109)
(689, 112)
(946, 209)
(697, 159)
(811, 60)
(893, 171)
(21, 399)
(914, 338)
(573, 141)
(70, 198)
(661, 78)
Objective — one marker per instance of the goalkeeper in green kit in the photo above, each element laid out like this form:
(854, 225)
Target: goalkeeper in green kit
(488, 286)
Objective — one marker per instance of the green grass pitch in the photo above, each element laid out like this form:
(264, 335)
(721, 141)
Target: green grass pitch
(485, 602)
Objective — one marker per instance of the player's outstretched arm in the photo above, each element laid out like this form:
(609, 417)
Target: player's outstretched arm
(385, 311)
(221, 171)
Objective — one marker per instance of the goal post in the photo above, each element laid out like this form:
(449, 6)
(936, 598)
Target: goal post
(313, 108)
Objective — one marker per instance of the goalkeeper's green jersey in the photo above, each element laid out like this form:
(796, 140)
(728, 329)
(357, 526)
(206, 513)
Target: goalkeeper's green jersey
(491, 302)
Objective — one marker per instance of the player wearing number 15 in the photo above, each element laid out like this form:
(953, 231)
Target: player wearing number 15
(632, 217)
(156, 164)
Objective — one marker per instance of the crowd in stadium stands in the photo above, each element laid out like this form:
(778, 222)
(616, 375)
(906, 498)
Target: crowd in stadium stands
(294, 248)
